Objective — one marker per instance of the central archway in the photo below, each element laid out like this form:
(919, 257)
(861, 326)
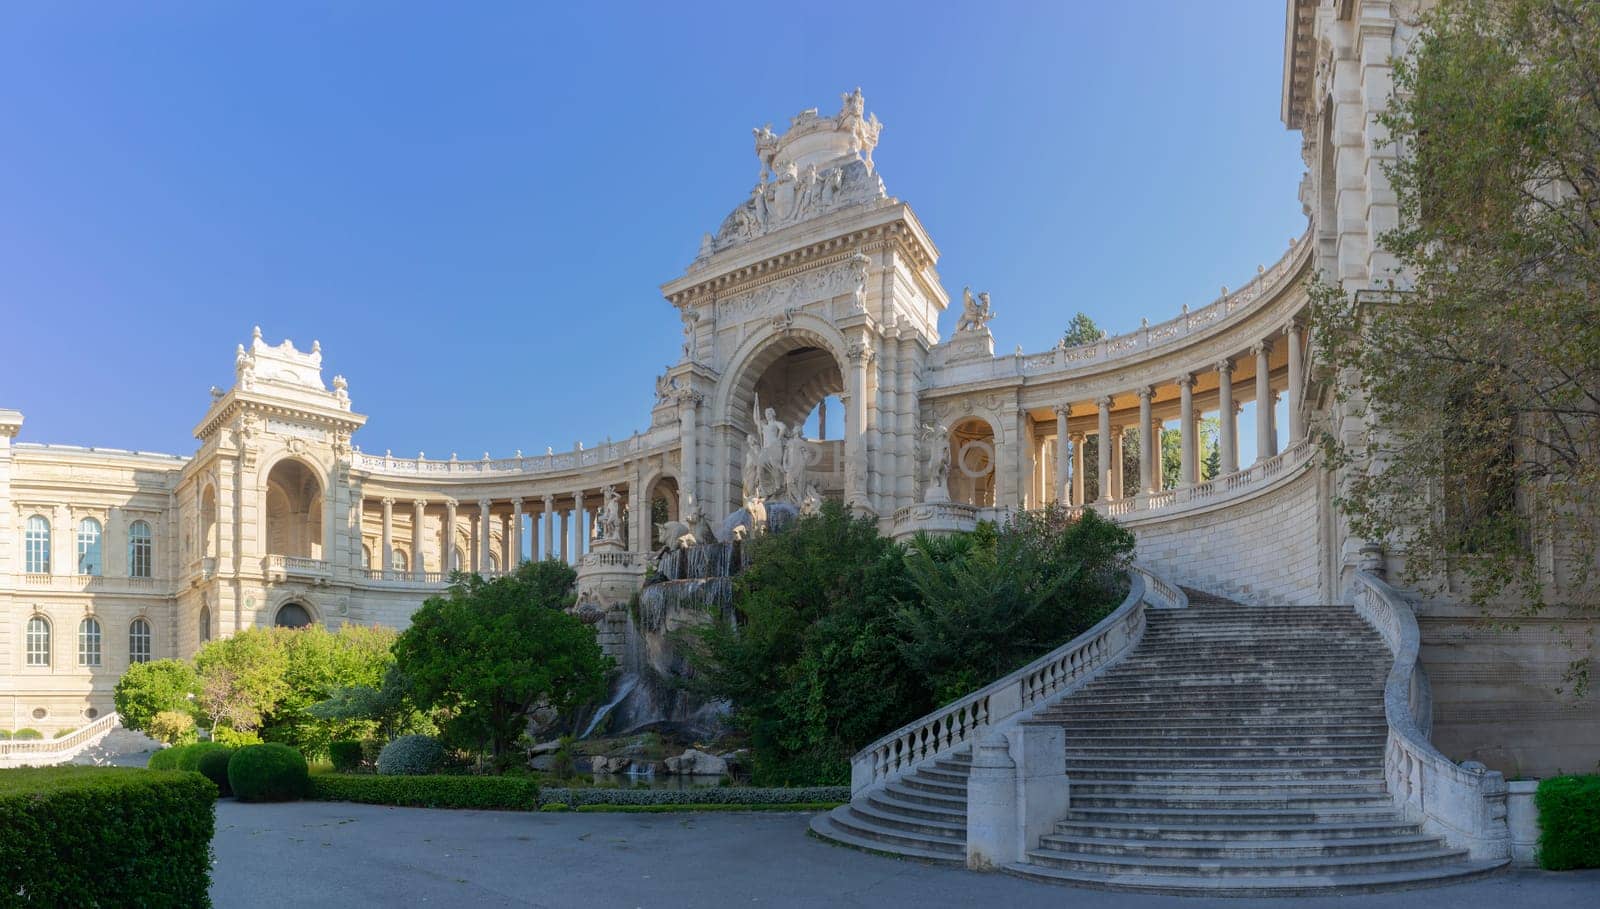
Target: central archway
(294, 510)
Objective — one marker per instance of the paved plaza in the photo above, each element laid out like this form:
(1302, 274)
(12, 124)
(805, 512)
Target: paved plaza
(321, 854)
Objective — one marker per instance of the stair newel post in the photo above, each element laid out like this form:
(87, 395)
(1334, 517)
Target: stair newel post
(1043, 791)
(992, 827)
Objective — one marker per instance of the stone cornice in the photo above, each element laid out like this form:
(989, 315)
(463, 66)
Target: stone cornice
(236, 402)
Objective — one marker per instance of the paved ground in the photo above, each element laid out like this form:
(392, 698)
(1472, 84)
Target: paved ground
(322, 854)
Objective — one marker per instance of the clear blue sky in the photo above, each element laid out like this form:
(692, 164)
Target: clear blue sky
(472, 205)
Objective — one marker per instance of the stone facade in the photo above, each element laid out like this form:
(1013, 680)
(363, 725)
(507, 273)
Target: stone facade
(819, 289)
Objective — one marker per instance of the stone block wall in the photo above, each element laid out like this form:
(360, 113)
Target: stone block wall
(1263, 550)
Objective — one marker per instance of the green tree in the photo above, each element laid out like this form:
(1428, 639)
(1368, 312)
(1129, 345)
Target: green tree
(147, 689)
(356, 711)
(1480, 367)
(242, 678)
(1080, 331)
(488, 651)
(318, 663)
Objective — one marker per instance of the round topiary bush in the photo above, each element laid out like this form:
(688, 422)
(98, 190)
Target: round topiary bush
(189, 755)
(411, 755)
(165, 759)
(345, 756)
(26, 735)
(213, 765)
(268, 773)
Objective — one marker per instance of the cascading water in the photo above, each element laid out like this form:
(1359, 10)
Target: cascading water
(692, 586)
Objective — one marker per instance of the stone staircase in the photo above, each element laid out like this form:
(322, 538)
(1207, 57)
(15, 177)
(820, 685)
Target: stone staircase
(1237, 751)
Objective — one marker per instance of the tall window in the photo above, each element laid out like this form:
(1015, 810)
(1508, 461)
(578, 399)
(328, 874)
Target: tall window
(139, 550)
(89, 642)
(139, 641)
(397, 560)
(38, 641)
(36, 546)
(205, 624)
(89, 546)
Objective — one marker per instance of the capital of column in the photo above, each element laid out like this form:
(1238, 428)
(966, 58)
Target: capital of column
(1185, 381)
(1262, 348)
(1062, 410)
(1104, 403)
(1145, 394)
(451, 503)
(1076, 438)
(1225, 366)
(860, 351)
(388, 502)
(419, 503)
(689, 397)
(517, 503)
(485, 503)
(549, 502)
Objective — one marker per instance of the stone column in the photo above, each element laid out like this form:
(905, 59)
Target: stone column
(1158, 481)
(1063, 455)
(577, 525)
(857, 481)
(688, 431)
(822, 420)
(1266, 439)
(508, 555)
(549, 526)
(1186, 431)
(516, 532)
(483, 535)
(565, 536)
(388, 535)
(1077, 468)
(447, 539)
(418, 514)
(1105, 449)
(1148, 464)
(1296, 382)
(1118, 487)
(1228, 434)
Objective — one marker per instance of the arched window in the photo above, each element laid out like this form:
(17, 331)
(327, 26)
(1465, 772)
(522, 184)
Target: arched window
(89, 546)
(494, 562)
(140, 550)
(366, 556)
(205, 624)
(89, 642)
(293, 615)
(36, 546)
(139, 641)
(457, 559)
(397, 560)
(38, 641)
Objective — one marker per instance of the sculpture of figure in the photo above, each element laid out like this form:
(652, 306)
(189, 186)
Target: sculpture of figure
(811, 502)
(795, 452)
(609, 524)
(758, 199)
(807, 195)
(860, 263)
(244, 367)
(755, 507)
(772, 432)
(854, 105)
(938, 464)
(975, 314)
(752, 465)
(664, 386)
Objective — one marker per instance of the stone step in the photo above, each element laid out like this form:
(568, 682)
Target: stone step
(1201, 752)
(1203, 713)
(1222, 850)
(1216, 817)
(934, 787)
(826, 827)
(922, 800)
(1263, 886)
(1244, 740)
(1218, 786)
(1235, 832)
(1192, 763)
(936, 773)
(1280, 801)
(1241, 725)
(1272, 866)
(1089, 773)
(891, 822)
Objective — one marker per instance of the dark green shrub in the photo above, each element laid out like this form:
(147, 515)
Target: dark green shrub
(26, 735)
(345, 755)
(5, 734)
(714, 795)
(165, 759)
(1569, 822)
(494, 793)
(411, 755)
(213, 765)
(189, 755)
(268, 773)
(105, 836)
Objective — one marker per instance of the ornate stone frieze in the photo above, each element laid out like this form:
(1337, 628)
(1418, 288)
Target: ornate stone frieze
(796, 291)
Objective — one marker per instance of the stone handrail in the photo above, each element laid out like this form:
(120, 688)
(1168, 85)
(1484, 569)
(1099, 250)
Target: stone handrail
(78, 738)
(1264, 285)
(1263, 471)
(1463, 803)
(1012, 698)
(605, 454)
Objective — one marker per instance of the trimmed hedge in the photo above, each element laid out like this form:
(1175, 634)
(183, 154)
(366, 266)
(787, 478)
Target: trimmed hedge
(345, 756)
(415, 755)
(189, 755)
(494, 793)
(102, 836)
(213, 765)
(268, 773)
(719, 795)
(1569, 822)
(165, 759)
(27, 735)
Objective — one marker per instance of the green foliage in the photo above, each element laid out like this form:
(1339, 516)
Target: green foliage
(411, 755)
(188, 757)
(268, 773)
(100, 836)
(490, 793)
(843, 634)
(1569, 822)
(489, 651)
(233, 738)
(242, 678)
(385, 708)
(344, 755)
(213, 765)
(171, 727)
(5, 735)
(165, 759)
(1080, 331)
(1482, 367)
(684, 798)
(25, 735)
(158, 686)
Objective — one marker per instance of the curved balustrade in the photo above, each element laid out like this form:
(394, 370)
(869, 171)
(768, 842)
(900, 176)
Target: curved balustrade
(1012, 698)
(57, 748)
(602, 455)
(1464, 803)
(1217, 489)
(1265, 285)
